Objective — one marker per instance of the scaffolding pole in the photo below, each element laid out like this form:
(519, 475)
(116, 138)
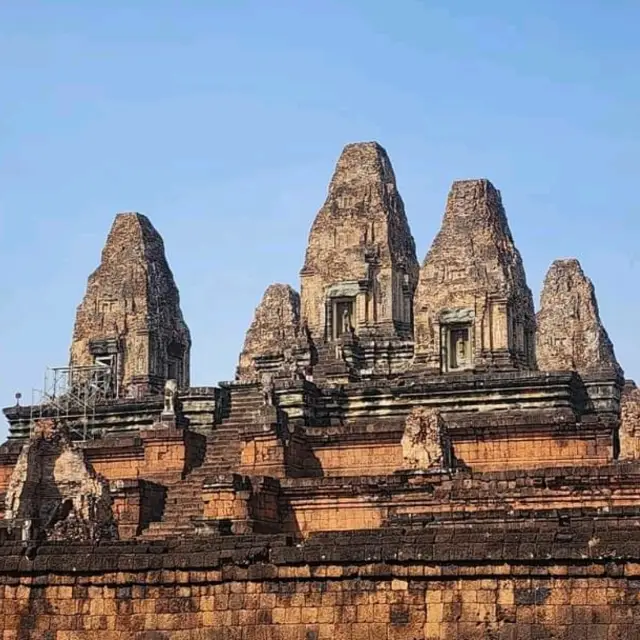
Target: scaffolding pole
(71, 394)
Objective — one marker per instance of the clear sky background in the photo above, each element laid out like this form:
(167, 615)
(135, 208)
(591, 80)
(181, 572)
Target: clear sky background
(222, 121)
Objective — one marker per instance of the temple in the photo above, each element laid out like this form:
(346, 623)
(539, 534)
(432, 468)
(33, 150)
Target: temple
(129, 321)
(404, 451)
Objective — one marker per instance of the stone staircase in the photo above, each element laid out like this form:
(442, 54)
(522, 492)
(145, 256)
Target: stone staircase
(330, 364)
(184, 497)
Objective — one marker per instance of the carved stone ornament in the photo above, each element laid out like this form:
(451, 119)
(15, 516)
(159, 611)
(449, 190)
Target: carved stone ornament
(170, 394)
(424, 443)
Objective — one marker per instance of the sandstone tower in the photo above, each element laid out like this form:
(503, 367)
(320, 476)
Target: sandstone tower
(274, 335)
(360, 270)
(130, 319)
(473, 308)
(570, 334)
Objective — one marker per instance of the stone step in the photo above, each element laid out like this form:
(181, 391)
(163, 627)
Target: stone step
(166, 526)
(240, 416)
(243, 413)
(192, 502)
(223, 448)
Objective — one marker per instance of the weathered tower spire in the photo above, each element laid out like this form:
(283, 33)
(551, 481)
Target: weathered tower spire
(570, 334)
(130, 318)
(473, 307)
(360, 268)
(274, 337)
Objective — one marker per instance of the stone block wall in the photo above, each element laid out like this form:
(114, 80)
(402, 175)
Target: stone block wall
(158, 453)
(351, 459)
(272, 591)
(314, 505)
(136, 503)
(534, 452)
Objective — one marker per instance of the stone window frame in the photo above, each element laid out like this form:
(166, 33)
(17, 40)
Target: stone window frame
(446, 332)
(455, 320)
(336, 317)
(339, 293)
(174, 363)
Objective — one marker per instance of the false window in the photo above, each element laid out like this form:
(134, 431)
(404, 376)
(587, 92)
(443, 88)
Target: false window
(342, 316)
(458, 347)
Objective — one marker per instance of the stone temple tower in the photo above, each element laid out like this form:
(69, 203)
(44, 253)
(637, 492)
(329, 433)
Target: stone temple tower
(130, 319)
(473, 308)
(570, 333)
(360, 270)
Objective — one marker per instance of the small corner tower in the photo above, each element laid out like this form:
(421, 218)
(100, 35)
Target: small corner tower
(570, 334)
(130, 319)
(274, 337)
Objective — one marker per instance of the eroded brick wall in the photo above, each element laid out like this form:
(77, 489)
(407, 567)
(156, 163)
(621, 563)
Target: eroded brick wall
(251, 591)
(354, 460)
(534, 452)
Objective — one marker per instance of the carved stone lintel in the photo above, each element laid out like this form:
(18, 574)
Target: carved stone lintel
(456, 316)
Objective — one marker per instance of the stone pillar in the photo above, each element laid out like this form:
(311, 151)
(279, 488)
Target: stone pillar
(361, 323)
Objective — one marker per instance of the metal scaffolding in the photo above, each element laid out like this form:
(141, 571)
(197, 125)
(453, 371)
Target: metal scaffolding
(71, 394)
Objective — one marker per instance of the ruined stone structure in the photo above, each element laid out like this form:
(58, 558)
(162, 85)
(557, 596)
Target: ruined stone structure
(570, 332)
(404, 453)
(275, 340)
(52, 492)
(473, 308)
(360, 270)
(425, 445)
(130, 320)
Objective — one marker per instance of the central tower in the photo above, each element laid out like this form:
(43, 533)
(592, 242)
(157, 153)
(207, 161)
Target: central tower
(360, 270)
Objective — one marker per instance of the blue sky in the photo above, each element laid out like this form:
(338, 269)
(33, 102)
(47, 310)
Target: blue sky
(222, 121)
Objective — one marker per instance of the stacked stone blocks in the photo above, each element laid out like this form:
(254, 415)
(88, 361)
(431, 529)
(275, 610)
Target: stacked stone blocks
(406, 451)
